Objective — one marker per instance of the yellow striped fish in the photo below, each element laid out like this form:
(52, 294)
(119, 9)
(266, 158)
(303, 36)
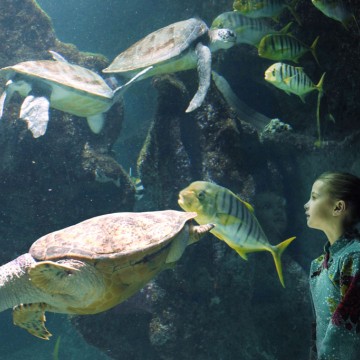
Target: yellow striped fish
(248, 30)
(294, 80)
(234, 220)
(265, 8)
(284, 47)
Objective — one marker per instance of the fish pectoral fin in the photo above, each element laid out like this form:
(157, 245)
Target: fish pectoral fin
(288, 79)
(35, 111)
(226, 219)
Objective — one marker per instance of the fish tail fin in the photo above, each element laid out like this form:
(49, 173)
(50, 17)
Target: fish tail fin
(276, 252)
(319, 86)
(313, 49)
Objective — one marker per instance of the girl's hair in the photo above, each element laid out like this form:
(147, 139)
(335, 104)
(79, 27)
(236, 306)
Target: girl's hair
(346, 187)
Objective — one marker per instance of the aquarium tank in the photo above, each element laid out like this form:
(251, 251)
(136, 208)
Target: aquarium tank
(110, 111)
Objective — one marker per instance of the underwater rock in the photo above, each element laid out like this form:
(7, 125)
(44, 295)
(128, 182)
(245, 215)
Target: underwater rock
(67, 175)
(213, 304)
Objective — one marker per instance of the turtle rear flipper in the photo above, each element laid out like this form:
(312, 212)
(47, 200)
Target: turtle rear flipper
(31, 317)
(2, 103)
(96, 122)
(35, 111)
(203, 54)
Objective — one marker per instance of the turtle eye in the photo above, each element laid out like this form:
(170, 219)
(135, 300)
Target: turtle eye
(201, 195)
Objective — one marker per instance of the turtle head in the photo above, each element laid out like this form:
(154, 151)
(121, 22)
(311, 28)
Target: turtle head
(221, 39)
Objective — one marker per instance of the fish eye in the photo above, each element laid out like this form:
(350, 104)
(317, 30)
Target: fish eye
(201, 195)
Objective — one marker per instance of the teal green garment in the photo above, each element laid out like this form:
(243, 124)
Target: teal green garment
(335, 291)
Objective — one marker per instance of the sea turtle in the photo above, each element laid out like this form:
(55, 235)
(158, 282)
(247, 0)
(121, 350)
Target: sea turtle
(60, 85)
(180, 46)
(94, 265)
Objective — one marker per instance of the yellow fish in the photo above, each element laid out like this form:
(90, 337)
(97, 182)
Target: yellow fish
(234, 220)
(294, 80)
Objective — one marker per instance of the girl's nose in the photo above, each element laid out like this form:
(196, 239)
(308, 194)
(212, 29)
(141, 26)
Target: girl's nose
(306, 206)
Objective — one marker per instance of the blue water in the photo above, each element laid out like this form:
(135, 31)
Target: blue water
(108, 27)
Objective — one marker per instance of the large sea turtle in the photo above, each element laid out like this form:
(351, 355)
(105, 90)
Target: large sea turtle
(92, 266)
(60, 85)
(180, 46)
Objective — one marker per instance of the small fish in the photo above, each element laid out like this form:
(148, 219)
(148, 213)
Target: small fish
(284, 47)
(139, 187)
(334, 9)
(293, 80)
(248, 30)
(265, 8)
(234, 220)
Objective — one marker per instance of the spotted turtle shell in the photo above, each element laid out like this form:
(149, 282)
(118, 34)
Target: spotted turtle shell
(159, 46)
(112, 236)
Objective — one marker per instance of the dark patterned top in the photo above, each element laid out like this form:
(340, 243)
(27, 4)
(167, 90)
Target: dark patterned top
(335, 291)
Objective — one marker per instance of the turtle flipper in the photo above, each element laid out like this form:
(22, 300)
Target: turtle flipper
(35, 111)
(96, 122)
(204, 71)
(31, 317)
(52, 277)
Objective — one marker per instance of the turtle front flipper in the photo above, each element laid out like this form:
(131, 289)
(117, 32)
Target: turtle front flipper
(35, 111)
(53, 278)
(203, 54)
(31, 317)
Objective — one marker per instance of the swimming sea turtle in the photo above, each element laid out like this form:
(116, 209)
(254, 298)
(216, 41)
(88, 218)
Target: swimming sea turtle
(60, 85)
(180, 46)
(92, 266)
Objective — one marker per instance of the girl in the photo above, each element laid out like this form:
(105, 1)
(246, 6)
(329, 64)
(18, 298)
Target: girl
(334, 208)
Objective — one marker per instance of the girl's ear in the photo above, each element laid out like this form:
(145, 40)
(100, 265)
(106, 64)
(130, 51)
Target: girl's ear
(339, 208)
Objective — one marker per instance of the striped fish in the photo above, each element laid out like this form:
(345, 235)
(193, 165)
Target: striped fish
(248, 30)
(265, 8)
(293, 80)
(334, 9)
(284, 47)
(234, 220)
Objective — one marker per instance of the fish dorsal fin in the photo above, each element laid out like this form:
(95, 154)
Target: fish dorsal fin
(57, 56)
(247, 205)
(286, 29)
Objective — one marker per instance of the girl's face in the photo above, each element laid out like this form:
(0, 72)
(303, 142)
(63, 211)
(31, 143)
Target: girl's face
(319, 208)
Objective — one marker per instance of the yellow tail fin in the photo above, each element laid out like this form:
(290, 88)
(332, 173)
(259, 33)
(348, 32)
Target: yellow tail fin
(276, 252)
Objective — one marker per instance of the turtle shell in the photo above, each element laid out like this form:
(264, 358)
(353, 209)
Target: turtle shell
(112, 236)
(159, 46)
(74, 77)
